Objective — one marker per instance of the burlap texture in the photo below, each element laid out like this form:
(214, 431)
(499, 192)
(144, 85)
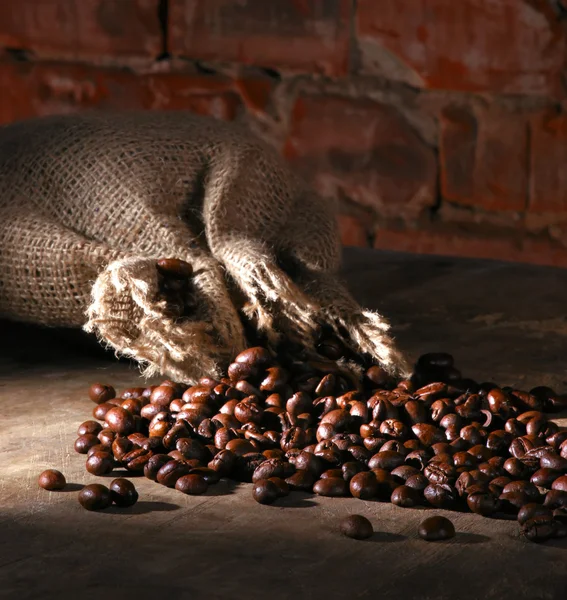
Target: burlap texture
(88, 202)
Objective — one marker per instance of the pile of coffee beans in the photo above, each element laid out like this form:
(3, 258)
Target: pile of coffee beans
(292, 422)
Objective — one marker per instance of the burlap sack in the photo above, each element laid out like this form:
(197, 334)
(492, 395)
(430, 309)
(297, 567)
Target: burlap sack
(88, 202)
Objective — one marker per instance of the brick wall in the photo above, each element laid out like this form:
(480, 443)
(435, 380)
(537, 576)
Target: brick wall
(439, 124)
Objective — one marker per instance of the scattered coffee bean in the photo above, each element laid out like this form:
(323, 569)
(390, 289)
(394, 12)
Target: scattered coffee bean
(356, 527)
(52, 480)
(437, 528)
(123, 492)
(95, 497)
(265, 491)
(192, 484)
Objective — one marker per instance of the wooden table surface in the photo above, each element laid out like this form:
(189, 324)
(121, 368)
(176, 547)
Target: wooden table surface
(502, 322)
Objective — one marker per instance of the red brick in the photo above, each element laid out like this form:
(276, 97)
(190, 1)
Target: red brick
(508, 248)
(297, 35)
(484, 158)
(96, 30)
(511, 46)
(49, 88)
(364, 151)
(548, 165)
(352, 231)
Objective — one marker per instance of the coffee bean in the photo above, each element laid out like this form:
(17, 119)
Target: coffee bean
(437, 528)
(364, 485)
(483, 503)
(386, 460)
(560, 484)
(269, 468)
(192, 484)
(417, 482)
(356, 527)
(52, 480)
(123, 492)
(301, 480)
(265, 491)
(119, 420)
(154, 464)
(239, 447)
(89, 428)
(100, 393)
(85, 442)
(529, 511)
(174, 268)
(544, 478)
(223, 463)
(95, 497)
(440, 495)
(283, 487)
(539, 529)
(171, 471)
(332, 486)
(405, 496)
(555, 499)
(100, 463)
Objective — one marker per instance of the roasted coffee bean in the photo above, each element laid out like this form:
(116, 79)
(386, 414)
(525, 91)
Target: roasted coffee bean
(100, 393)
(437, 528)
(332, 486)
(99, 412)
(440, 495)
(356, 527)
(483, 503)
(193, 484)
(265, 491)
(404, 472)
(171, 472)
(427, 434)
(532, 510)
(119, 420)
(516, 468)
(257, 356)
(539, 529)
(154, 464)
(440, 473)
(240, 447)
(248, 411)
(95, 497)
(223, 463)
(123, 492)
(174, 268)
(301, 480)
(85, 442)
(387, 460)
(331, 473)
(100, 463)
(283, 487)
(364, 485)
(417, 482)
(553, 461)
(405, 496)
(52, 480)
(395, 429)
(210, 475)
(350, 469)
(269, 468)
(556, 499)
(560, 484)
(544, 478)
(137, 459)
(89, 428)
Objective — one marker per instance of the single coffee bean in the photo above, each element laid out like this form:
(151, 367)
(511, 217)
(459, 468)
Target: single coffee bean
(531, 510)
(405, 496)
(89, 428)
(223, 463)
(52, 480)
(551, 460)
(418, 482)
(154, 464)
(364, 485)
(544, 478)
(437, 528)
(95, 497)
(171, 472)
(386, 459)
(265, 491)
(269, 468)
(560, 484)
(555, 499)
(350, 469)
(192, 484)
(356, 527)
(240, 447)
(174, 268)
(483, 503)
(539, 529)
(119, 420)
(332, 486)
(100, 463)
(123, 492)
(441, 495)
(100, 393)
(85, 442)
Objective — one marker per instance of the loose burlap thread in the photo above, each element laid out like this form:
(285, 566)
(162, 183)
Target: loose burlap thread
(89, 202)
